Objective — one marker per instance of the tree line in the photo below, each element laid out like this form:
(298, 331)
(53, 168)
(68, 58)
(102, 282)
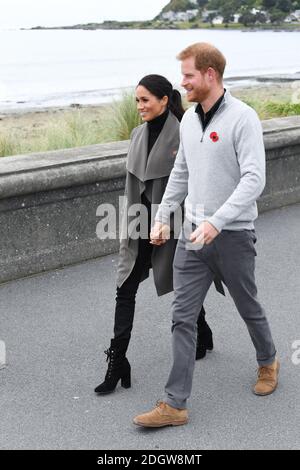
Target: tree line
(277, 10)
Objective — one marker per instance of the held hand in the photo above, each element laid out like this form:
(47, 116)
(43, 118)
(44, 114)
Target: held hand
(160, 233)
(204, 234)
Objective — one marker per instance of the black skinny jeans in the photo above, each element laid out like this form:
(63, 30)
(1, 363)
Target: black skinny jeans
(125, 299)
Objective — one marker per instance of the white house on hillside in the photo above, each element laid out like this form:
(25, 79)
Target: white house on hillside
(180, 15)
(296, 13)
(206, 13)
(293, 17)
(168, 16)
(218, 20)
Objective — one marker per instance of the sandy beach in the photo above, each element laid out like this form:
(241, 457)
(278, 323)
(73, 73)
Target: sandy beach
(31, 125)
(32, 122)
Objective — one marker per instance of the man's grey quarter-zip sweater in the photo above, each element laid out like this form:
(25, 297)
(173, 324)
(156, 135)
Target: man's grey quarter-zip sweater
(220, 171)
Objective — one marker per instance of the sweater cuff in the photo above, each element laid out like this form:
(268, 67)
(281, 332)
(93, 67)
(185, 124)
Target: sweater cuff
(218, 223)
(163, 217)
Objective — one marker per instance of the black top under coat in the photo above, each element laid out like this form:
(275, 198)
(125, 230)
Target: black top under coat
(155, 127)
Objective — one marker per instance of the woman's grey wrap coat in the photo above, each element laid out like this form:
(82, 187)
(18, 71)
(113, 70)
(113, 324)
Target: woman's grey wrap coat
(149, 174)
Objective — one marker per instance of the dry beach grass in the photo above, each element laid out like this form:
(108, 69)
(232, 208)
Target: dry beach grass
(54, 128)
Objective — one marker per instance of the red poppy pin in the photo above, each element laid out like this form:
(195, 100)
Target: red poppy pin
(214, 136)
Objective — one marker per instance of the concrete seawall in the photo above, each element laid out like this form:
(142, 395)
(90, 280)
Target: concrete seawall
(48, 201)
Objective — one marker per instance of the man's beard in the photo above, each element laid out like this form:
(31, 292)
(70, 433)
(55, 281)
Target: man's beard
(201, 95)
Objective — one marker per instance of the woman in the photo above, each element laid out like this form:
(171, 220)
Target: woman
(150, 160)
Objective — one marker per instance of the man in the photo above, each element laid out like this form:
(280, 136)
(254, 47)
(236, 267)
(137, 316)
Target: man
(220, 167)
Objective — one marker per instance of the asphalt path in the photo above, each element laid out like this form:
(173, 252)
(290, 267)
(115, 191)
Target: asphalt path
(56, 326)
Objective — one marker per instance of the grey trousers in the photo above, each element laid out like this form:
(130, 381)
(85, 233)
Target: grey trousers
(232, 257)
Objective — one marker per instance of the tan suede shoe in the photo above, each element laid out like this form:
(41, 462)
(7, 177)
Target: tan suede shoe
(162, 415)
(267, 379)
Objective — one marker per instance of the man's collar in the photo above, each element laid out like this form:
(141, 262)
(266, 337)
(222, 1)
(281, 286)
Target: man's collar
(212, 110)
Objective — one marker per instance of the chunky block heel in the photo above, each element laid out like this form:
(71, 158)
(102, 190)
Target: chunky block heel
(126, 381)
(118, 368)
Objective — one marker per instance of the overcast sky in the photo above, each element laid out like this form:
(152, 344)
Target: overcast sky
(26, 13)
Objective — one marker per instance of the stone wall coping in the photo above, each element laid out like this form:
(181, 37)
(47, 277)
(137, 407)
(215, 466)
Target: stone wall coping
(26, 174)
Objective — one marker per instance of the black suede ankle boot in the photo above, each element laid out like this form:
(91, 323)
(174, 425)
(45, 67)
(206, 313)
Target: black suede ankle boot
(118, 368)
(204, 336)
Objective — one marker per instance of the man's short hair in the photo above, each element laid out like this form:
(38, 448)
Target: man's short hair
(206, 55)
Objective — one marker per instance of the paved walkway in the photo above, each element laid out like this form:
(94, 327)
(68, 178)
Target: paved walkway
(56, 326)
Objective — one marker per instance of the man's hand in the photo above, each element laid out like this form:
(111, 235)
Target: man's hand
(204, 234)
(160, 233)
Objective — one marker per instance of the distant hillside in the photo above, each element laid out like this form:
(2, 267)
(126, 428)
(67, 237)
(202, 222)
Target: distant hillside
(187, 14)
(270, 6)
(180, 5)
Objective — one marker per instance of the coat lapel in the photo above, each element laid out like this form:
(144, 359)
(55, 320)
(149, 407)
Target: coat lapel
(137, 153)
(160, 161)
(162, 156)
